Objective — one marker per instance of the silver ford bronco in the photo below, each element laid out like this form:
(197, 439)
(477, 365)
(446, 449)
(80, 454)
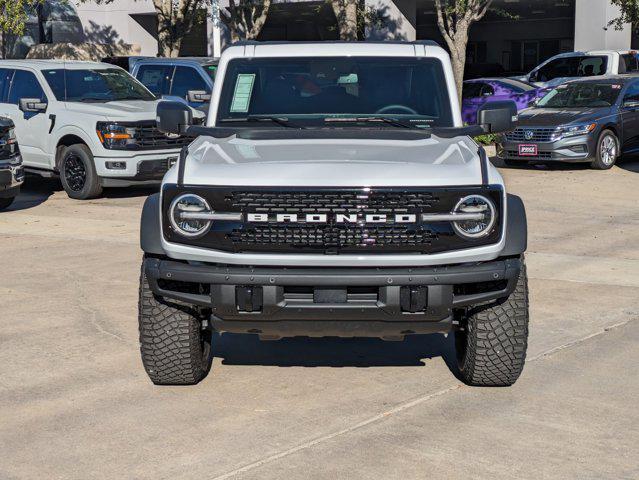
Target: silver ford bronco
(334, 191)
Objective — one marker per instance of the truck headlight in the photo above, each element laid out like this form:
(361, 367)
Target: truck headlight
(115, 136)
(576, 130)
(477, 216)
(178, 213)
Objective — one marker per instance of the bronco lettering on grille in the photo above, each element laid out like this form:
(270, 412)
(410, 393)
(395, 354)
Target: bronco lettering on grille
(325, 218)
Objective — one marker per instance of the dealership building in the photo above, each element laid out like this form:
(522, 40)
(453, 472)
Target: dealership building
(515, 36)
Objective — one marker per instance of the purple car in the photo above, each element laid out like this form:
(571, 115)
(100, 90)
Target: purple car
(482, 90)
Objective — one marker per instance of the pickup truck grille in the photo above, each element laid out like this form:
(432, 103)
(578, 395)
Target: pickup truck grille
(148, 137)
(331, 236)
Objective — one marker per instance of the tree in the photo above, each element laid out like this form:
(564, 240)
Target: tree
(629, 13)
(245, 18)
(14, 14)
(175, 20)
(454, 19)
(346, 13)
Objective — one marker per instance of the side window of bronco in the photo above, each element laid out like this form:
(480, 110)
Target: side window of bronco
(25, 85)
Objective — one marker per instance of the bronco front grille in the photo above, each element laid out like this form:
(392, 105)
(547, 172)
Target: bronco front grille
(331, 236)
(333, 201)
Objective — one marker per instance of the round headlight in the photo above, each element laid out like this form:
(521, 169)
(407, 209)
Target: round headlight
(481, 215)
(185, 204)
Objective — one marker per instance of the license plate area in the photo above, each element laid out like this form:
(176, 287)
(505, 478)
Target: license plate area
(528, 150)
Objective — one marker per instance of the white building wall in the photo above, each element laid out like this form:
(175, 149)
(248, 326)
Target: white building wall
(114, 21)
(398, 17)
(591, 27)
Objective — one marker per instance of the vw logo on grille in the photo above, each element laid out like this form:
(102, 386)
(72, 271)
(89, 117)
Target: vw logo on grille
(529, 135)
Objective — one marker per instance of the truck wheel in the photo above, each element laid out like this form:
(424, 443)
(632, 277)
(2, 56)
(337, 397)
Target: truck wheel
(6, 202)
(491, 349)
(175, 350)
(77, 173)
(607, 151)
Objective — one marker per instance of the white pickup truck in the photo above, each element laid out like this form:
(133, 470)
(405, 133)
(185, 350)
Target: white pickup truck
(597, 63)
(91, 123)
(334, 192)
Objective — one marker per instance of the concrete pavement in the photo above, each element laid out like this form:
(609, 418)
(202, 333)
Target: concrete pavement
(75, 401)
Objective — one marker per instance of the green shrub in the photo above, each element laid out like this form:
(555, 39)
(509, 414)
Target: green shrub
(486, 139)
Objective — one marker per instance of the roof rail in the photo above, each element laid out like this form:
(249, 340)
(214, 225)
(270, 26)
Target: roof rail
(242, 43)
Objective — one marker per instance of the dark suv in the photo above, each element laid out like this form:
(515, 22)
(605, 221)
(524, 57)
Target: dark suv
(11, 171)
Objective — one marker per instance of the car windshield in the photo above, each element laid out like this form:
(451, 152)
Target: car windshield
(337, 91)
(95, 85)
(580, 95)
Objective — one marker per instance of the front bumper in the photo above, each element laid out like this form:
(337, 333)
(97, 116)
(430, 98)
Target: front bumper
(141, 167)
(373, 302)
(11, 176)
(573, 150)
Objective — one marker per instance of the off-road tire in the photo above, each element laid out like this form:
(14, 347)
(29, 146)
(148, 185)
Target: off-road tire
(491, 348)
(599, 162)
(91, 187)
(6, 202)
(175, 350)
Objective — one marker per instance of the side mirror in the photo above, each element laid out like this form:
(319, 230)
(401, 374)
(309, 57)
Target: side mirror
(533, 103)
(32, 105)
(198, 96)
(497, 117)
(173, 117)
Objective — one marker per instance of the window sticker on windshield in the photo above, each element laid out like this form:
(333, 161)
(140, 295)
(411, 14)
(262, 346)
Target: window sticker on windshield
(243, 91)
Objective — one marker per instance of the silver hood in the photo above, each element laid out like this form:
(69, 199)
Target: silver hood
(332, 162)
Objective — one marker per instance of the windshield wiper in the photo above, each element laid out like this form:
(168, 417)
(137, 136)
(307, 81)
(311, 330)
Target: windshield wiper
(282, 121)
(390, 121)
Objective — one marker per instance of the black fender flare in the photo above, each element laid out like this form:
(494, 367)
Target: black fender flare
(516, 227)
(150, 230)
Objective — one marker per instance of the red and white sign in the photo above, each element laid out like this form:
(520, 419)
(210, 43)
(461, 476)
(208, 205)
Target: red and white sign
(528, 150)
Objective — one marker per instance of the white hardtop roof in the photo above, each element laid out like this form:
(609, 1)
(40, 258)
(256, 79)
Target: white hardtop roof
(333, 49)
(39, 64)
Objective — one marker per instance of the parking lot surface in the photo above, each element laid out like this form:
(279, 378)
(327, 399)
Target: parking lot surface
(75, 402)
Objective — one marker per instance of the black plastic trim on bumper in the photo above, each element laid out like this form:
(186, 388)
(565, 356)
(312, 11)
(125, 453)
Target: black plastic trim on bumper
(303, 312)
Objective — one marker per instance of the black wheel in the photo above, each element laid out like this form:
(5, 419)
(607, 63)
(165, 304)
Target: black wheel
(515, 163)
(491, 347)
(6, 202)
(607, 151)
(77, 173)
(175, 349)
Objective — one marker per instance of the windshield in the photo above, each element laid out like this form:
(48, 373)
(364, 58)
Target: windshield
(580, 95)
(338, 91)
(99, 85)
